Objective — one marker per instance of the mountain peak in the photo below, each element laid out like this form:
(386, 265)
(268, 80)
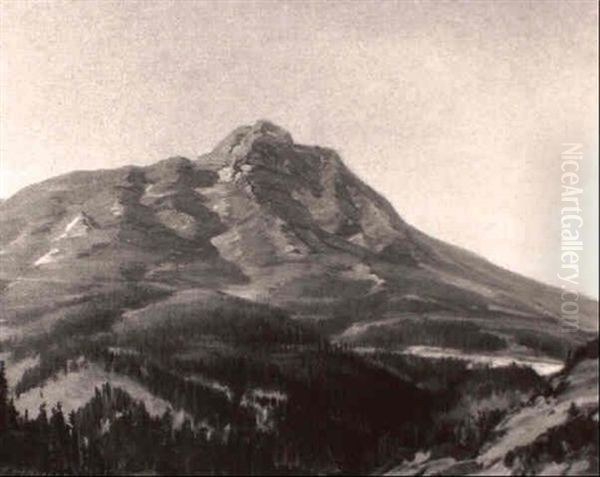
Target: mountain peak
(241, 139)
(264, 127)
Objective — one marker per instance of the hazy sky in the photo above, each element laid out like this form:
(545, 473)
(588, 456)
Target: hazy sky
(454, 111)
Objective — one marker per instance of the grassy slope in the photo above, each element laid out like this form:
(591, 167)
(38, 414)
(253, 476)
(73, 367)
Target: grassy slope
(554, 431)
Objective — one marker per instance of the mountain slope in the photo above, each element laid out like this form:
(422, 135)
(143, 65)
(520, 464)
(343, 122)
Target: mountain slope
(259, 217)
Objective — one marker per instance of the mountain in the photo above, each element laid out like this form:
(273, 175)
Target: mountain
(258, 274)
(260, 218)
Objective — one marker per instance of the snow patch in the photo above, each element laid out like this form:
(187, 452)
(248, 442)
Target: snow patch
(358, 328)
(117, 209)
(50, 257)
(225, 174)
(78, 227)
(412, 297)
(212, 384)
(360, 271)
(264, 404)
(359, 239)
(542, 367)
(148, 192)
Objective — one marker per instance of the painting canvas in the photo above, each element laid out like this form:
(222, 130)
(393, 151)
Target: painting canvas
(299, 237)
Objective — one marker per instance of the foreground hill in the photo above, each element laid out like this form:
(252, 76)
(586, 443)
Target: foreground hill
(553, 433)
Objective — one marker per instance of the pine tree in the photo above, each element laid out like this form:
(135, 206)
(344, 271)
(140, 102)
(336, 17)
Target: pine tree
(58, 440)
(75, 443)
(42, 419)
(13, 415)
(7, 443)
(3, 399)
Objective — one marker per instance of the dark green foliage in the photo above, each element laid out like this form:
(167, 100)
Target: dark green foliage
(343, 412)
(336, 403)
(42, 443)
(555, 346)
(587, 351)
(114, 434)
(3, 398)
(338, 408)
(444, 333)
(459, 427)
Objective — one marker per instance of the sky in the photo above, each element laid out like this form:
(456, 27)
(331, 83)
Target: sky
(457, 112)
